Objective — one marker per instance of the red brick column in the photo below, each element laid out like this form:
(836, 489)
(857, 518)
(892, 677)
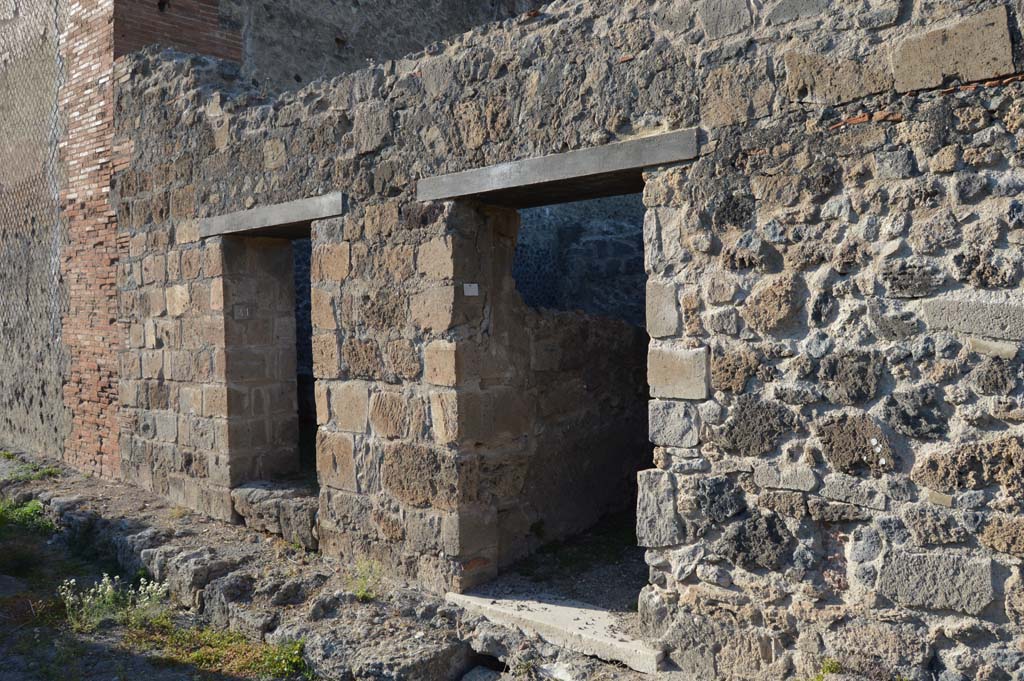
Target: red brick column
(91, 330)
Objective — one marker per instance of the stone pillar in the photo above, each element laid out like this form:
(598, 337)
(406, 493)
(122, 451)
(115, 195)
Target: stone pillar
(384, 309)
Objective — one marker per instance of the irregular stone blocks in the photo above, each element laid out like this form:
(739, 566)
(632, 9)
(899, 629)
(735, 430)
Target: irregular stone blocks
(937, 582)
(822, 79)
(678, 372)
(657, 521)
(999, 320)
(975, 48)
(673, 424)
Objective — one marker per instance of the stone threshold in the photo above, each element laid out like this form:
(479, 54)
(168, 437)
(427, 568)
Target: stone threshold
(573, 625)
(287, 510)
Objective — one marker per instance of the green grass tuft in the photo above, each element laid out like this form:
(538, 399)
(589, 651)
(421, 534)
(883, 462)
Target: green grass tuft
(27, 471)
(365, 580)
(828, 666)
(224, 652)
(24, 518)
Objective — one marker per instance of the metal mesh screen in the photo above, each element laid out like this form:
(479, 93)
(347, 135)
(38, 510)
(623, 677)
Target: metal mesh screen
(33, 298)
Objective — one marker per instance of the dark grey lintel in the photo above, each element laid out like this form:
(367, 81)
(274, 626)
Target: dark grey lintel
(609, 170)
(285, 220)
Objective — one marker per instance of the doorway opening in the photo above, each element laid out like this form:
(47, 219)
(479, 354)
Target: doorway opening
(578, 268)
(268, 358)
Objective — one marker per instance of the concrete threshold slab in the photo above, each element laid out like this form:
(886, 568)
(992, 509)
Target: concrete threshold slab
(573, 625)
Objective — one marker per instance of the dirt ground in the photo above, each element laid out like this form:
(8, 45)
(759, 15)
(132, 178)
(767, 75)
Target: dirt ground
(353, 627)
(37, 642)
(602, 567)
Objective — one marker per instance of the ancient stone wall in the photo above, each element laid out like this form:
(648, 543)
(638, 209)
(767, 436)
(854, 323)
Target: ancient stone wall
(587, 255)
(199, 26)
(834, 301)
(546, 401)
(838, 393)
(32, 233)
(288, 44)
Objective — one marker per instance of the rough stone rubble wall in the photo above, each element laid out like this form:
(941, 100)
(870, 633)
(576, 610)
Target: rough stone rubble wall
(32, 233)
(837, 313)
(585, 255)
(289, 43)
(834, 300)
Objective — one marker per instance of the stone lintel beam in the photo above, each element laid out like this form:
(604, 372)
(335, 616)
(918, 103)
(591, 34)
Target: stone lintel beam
(290, 220)
(611, 170)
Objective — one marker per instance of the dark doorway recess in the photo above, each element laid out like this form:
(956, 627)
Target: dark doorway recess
(580, 266)
(302, 256)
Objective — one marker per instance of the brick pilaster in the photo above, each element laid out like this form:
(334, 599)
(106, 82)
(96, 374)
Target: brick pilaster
(91, 330)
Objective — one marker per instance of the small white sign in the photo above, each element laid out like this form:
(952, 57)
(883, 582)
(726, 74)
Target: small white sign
(471, 290)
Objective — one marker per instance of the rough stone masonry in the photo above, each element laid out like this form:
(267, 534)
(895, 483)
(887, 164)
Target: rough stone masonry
(835, 315)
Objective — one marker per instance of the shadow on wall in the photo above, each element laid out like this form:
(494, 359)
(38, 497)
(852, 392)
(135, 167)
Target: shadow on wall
(586, 255)
(302, 254)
